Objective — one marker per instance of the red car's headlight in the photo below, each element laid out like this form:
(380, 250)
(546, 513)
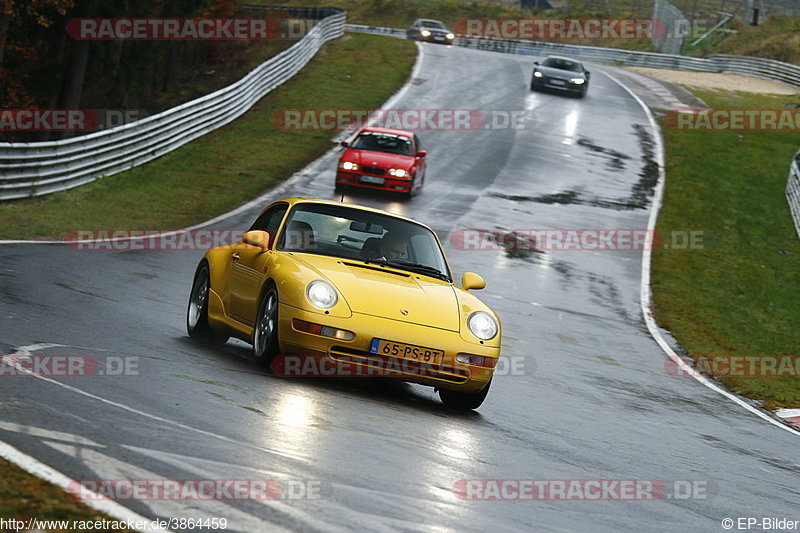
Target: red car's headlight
(398, 172)
(348, 165)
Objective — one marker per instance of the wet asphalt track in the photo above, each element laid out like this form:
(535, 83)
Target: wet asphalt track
(593, 401)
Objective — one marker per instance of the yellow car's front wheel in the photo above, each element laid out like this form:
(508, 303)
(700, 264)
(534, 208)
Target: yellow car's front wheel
(265, 333)
(464, 400)
(197, 314)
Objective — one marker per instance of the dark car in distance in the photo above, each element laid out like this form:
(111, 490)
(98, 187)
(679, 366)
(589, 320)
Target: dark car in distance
(560, 74)
(430, 30)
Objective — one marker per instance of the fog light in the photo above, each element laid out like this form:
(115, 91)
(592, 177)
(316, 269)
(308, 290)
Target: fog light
(325, 331)
(476, 360)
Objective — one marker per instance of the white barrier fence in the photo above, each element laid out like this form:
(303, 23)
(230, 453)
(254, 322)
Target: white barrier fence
(793, 191)
(39, 168)
(749, 66)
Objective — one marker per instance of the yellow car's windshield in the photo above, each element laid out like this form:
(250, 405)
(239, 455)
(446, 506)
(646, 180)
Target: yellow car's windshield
(341, 231)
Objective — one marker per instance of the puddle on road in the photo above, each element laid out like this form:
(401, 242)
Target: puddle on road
(641, 191)
(517, 245)
(568, 340)
(606, 294)
(233, 402)
(206, 381)
(87, 293)
(609, 360)
(648, 176)
(616, 160)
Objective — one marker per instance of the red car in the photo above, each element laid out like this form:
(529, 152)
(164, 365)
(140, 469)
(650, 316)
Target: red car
(383, 159)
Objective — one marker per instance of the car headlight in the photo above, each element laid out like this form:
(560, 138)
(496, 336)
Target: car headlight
(321, 294)
(425, 33)
(398, 172)
(451, 36)
(537, 74)
(349, 165)
(578, 81)
(482, 325)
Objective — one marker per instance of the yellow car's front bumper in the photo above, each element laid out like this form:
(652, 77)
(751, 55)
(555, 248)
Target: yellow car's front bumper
(448, 374)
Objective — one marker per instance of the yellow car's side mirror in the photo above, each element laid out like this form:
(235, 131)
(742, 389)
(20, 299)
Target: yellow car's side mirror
(261, 239)
(472, 281)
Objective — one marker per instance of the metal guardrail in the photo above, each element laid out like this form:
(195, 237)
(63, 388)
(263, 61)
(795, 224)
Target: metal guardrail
(749, 66)
(793, 191)
(376, 30)
(39, 168)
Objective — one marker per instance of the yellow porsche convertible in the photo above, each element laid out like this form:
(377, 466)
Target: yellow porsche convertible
(353, 285)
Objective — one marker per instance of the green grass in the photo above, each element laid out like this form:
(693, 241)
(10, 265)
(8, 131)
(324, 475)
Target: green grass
(738, 296)
(231, 165)
(23, 496)
(774, 38)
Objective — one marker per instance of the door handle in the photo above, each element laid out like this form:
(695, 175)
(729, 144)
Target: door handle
(235, 256)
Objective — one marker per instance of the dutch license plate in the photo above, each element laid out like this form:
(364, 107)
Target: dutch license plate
(406, 351)
(371, 179)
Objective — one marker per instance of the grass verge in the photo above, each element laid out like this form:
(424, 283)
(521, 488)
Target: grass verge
(229, 166)
(738, 295)
(23, 497)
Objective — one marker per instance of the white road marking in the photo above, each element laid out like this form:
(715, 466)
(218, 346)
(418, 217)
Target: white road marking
(25, 350)
(42, 471)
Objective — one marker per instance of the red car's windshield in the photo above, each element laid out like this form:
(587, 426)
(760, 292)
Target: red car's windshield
(383, 142)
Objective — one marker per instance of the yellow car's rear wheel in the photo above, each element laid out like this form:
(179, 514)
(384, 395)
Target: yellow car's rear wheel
(265, 332)
(464, 400)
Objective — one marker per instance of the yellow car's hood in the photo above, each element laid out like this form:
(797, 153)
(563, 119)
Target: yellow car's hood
(374, 290)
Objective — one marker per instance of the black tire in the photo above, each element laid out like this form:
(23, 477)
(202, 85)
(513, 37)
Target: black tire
(464, 401)
(265, 330)
(197, 313)
(533, 86)
(411, 193)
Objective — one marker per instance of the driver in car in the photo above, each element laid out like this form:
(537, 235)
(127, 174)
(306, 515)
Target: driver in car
(394, 246)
